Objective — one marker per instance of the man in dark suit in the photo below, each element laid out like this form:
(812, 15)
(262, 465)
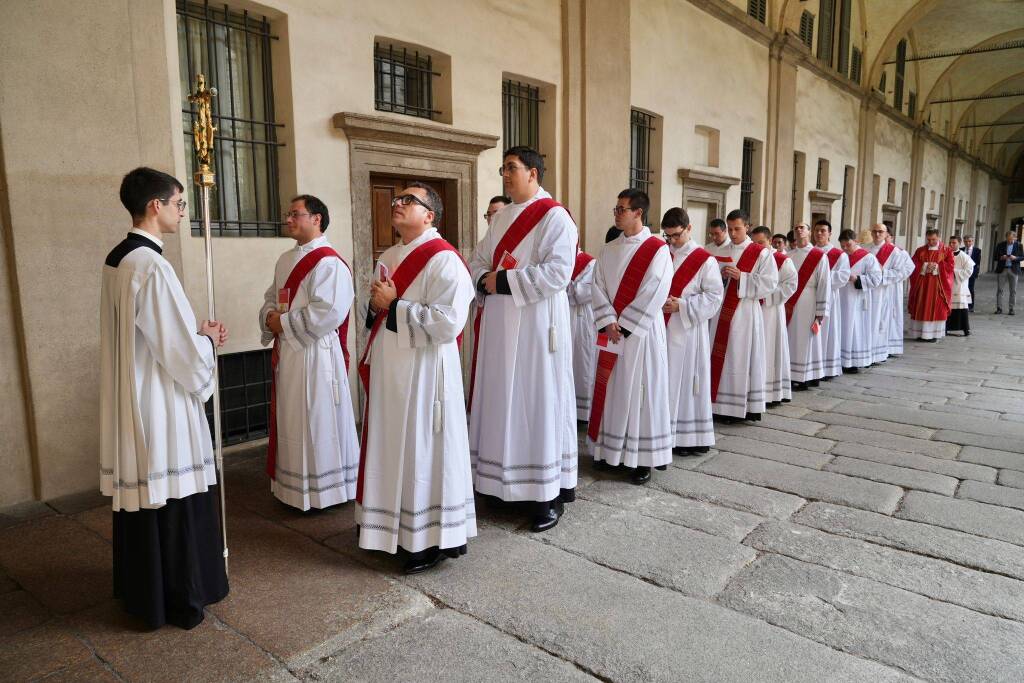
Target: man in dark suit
(975, 254)
(1007, 257)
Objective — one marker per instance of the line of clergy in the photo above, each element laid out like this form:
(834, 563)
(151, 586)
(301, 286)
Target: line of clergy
(648, 343)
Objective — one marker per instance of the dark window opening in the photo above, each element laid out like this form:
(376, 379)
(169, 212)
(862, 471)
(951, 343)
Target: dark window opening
(244, 396)
(641, 128)
(901, 68)
(520, 114)
(403, 81)
(758, 9)
(747, 181)
(807, 29)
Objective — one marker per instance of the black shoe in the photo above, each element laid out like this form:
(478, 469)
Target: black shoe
(799, 386)
(680, 450)
(423, 560)
(999, 311)
(725, 419)
(753, 417)
(931, 341)
(661, 468)
(601, 465)
(851, 371)
(967, 334)
(455, 553)
(567, 495)
(699, 450)
(814, 383)
(641, 475)
(547, 516)
(1011, 311)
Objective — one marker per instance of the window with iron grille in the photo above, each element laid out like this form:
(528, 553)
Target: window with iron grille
(844, 217)
(757, 9)
(747, 180)
(881, 83)
(520, 114)
(232, 49)
(403, 81)
(244, 396)
(842, 60)
(807, 29)
(901, 68)
(912, 104)
(822, 179)
(641, 129)
(855, 65)
(826, 30)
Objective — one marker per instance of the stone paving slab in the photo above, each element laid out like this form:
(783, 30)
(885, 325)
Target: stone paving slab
(933, 640)
(889, 398)
(20, 611)
(1000, 443)
(1012, 478)
(20, 513)
(780, 420)
(426, 649)
(891, 441)
(669, 555)
(693, 514)
(925, 418)
(962, 410)
(814, 400)
(992, 493)
(992, 458)
(990, 521)
(898, 476)
(787, 410)
(983, 592)
(1004, 405)
(916, 461)
(731, 494)
(755, 434)
(833, 418)
(956, 546)
(619, 628)
(727, 443)
(35, 653)
(807, 483)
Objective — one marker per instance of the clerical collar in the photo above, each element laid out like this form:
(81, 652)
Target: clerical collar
(935, 248)
(644, 233)
(428, 234)
(139, 231)
(312, 244)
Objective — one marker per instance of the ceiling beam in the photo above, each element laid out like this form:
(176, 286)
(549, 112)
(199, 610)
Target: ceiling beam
(1003, 142)
(993, 124)
(972, 98)
(943, 54)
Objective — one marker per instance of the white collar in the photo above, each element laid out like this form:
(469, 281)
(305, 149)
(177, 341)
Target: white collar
(152, 238)
(644, 233)
(686, 248)
(320, 241)
(428, 234)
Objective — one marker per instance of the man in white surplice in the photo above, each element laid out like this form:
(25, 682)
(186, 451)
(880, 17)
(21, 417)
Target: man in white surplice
(416, 487)
(315, 458)
(887, 304)
(777, 382)
(635, 422)
(832, 327)
(522, 425)
(584, 334)
(689, 349)
(809, 311)
(856, 300)
(739, 369)
(156, 454)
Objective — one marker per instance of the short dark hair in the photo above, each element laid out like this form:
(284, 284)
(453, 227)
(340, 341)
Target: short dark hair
(433, 199)
(675, 217)
(847, 236)
(786, 238)
(530, 157)
(740, 215)
(717, 224)
(315, 206)
(760, 230)
(638, 199)
(142, 185)
(822, 221)
(955, 237)
(931, 231)
(499, 198)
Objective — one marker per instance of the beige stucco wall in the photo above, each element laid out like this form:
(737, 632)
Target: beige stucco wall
(933, 175)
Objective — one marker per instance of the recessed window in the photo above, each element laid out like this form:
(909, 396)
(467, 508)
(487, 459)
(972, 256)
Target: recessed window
(748, 171)
(520, 114)
(244, 396)
(404, 81)
(822, 180)
(758, 9)
(807, 29)
(232, 50)
(641, 168)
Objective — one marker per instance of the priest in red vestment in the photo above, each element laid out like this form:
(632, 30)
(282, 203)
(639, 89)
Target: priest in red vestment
(931, 289)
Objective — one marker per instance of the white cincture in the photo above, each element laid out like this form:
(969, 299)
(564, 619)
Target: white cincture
(334, 380)
(439, 394)
(552, 337)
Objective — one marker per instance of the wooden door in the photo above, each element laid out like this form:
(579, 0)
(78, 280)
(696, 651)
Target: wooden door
(383, 189)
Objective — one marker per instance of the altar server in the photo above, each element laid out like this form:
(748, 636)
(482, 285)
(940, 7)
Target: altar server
(832, 327)
(963, 270)
(777, 382)
(856, 301)
(584, 333)
(807, 309)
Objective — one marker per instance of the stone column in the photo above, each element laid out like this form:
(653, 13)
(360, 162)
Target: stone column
(863, 211)
(776, 206)
(914, 222)
(946, 222)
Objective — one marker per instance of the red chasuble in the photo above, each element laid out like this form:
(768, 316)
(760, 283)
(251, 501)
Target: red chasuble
(930, 295)
(729, 304)
(687, 270)
(806, 271)
(624, 296)
(405, 274)
(303, 268)
(522, 226)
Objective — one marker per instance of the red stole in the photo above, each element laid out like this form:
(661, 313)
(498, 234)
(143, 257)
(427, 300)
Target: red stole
(522, 226)
(405, 274)
(729, 305)
(884, 252)
(857, 256)
(833, 257)
(582, 259)
(930, 295)
(295, 278)
(811, 262)
(624, 295)
(779, 260)
(686, 271)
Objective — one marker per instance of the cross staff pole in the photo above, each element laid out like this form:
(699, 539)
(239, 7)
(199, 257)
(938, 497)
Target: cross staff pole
(203, 132)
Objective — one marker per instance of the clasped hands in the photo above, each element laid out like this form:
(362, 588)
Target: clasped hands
(731, 272)
(216, 331)
(613, 332)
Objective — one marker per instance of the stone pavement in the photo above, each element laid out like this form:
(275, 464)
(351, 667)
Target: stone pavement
(871, 530)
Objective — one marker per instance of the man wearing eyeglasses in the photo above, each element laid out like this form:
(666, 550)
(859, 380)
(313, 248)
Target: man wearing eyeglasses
(496, 204)
(887, 302)
(313, 451)
(522, 428)
(694, 297)
(630, 423)
(415, 482)
(156, 455)
(806, 310)
(777, 380)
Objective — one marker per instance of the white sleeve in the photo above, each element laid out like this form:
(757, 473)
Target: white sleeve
(761, 281)
(703, 303)
(871, 276)
(604, 312)
(579, 290)
(331, 293)
(822, 288)
(440, 314)
(556, 256)
(269, 304)
(788, 281)
(645, 308)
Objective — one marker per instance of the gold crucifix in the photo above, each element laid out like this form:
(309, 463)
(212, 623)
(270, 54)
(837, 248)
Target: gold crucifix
(203, 131)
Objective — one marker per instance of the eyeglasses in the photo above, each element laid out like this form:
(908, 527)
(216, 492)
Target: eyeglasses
(489, 215)
(619, 210)
(295, 214)
(509, 168)
(407, 199)
(181, 203)
(671, 235)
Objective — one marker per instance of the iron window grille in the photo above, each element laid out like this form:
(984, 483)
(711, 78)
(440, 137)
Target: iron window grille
(244, 396)
(826, 27)
(901, 68)
(747, 180)
(807, 29)
(520, 114)
(232, 49)
(843, 217)
(641, 133)
(403, 81)
(819, 183)
(757, 9)
(912, 104)
(855, 65)
(881, 83)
